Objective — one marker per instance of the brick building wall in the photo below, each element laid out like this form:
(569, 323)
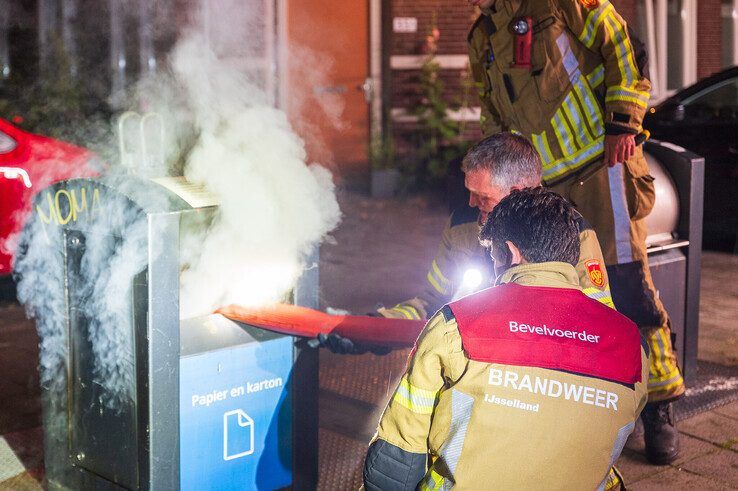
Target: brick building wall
(454, 18)
(709, 37)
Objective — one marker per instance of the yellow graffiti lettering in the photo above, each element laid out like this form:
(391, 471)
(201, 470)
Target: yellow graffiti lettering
(72, 214)
(75, 205)
(52, 211)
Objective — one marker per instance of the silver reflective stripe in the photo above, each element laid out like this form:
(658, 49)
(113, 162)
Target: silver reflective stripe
(461, 408)
(573, 162)
(570, 61)
(539, 141)
(593, 109)
(598, 294)
(593, 20)
(597, 76)
(623, 54)
(563, 133)
(621, 217)
(617, 449)
(581, 132)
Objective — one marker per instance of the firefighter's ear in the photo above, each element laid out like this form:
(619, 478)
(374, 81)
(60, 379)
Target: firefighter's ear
(514, 255)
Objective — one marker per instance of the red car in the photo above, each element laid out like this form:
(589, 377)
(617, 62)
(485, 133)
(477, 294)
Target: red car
(28, 164)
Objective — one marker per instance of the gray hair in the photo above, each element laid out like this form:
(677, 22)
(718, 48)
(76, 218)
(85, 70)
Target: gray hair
(511, 159)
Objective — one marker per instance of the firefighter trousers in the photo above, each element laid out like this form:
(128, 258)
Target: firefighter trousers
(616, 200)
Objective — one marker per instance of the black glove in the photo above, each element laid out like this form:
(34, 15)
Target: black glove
(338, 344)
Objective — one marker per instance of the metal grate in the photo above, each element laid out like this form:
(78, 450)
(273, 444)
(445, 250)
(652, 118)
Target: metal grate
(715, 386)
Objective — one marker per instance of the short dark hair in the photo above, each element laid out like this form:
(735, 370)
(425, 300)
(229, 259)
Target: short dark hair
(542, 224)
(511, 159)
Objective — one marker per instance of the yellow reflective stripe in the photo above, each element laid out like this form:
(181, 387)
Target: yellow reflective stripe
(589, 114)
(597, 76)
(563, 135)
(617, 91)
(663, 371)
(435, 284)
(439, 275)
(594, 110)
(405, 311)
(573, 162)
(432, 481)
(602, 296)
(541, 144)
(577, 122)
(623, 50)
(635, 100)
(592, 24)
(419, 401)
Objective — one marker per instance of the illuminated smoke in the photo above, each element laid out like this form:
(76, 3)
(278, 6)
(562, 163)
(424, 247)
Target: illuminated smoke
(274, 209)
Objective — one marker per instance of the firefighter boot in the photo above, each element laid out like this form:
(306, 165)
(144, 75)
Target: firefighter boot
(660, 434)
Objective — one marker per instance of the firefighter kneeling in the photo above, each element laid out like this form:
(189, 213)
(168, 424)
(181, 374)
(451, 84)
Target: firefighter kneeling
(488, 403)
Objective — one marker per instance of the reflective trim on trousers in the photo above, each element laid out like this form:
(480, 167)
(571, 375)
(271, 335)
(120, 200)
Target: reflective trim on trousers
(621, 216)
(432, 481)
(663, 371)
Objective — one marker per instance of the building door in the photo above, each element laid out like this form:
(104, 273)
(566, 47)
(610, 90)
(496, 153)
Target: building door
(326, 92)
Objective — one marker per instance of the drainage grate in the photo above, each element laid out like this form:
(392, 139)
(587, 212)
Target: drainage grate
(715, 385)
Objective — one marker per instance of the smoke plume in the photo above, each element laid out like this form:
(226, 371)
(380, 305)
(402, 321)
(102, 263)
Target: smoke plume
(274, 210)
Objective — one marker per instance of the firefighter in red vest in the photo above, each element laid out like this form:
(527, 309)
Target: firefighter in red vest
(526, 384)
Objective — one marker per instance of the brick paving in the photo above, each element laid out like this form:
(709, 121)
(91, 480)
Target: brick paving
(380, 254)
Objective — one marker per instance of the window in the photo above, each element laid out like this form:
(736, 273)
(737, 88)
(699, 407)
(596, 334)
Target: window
(729, 15)
(669, 29)
(7, 144)
(719, 102)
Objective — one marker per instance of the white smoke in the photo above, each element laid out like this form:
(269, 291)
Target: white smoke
(274, 210)
(273, 207)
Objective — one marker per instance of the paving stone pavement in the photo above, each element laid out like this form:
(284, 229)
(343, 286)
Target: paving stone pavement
(381, 253)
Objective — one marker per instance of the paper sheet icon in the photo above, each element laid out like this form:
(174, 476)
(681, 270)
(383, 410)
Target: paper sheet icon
(238, 434)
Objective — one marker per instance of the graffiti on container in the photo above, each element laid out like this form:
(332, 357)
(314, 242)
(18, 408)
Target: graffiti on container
(67, 205)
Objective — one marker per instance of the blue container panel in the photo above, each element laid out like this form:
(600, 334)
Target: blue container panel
(236, 417)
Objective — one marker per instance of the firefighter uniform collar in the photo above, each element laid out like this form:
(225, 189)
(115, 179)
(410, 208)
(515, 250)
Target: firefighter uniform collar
(551, 274)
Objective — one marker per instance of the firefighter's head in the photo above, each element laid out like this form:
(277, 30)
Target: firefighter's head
(531, 225)
(497, 165)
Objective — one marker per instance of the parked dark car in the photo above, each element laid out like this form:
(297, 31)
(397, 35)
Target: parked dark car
(703, 118)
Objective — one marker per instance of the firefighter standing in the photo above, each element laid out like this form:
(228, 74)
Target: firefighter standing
(526, 384)
(564, 74)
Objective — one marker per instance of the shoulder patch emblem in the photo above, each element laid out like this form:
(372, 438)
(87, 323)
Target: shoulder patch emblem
(594, 270)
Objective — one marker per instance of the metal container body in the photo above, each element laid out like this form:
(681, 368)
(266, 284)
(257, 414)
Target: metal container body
(675, 262)
(120, 373)
(119, 413)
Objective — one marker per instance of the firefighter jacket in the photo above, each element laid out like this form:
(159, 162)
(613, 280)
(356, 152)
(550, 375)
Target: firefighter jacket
(460, 251)
(525, 384)
(583, 81)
